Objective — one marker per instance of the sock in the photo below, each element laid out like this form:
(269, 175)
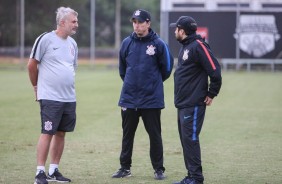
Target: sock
(52, 168)
(39, 168)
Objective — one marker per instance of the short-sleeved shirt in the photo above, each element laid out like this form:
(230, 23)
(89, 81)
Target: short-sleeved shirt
(57, 59)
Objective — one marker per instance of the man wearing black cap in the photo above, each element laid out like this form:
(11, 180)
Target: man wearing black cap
(193, 92)
(145, 63)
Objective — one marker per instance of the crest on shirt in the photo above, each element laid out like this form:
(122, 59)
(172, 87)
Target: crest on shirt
(72, 51)
(48, 125)
(150, 50)
(185, 55)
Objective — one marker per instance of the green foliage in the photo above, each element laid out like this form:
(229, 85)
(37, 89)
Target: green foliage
(153, 6)
(9, 34)
(40, 17)
(240, 139)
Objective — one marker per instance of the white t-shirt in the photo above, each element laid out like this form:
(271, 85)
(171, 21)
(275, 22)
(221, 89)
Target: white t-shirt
(57, 59)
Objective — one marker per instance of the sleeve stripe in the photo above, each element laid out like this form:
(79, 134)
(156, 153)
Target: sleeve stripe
(167, 56)
(208, 55)
(36, 44)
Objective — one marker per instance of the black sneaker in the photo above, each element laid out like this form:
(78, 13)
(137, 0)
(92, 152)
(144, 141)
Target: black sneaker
(186, 180)
(122, 173)
(159, 175)
(40, 178)
(57, 176)
(195, 182)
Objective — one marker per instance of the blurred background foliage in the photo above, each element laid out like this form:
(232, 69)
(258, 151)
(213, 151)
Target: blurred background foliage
(40, 17)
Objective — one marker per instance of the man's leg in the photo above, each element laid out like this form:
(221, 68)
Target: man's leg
(42, 154)
(43, 148)
(179, 122)
(67, 117)
(67, 123)
(152, 123)
(191, 121)
(56, 151)
(57, 147)
(50, 115)
(130, 120)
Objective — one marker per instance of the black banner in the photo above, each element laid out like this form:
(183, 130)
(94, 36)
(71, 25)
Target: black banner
(258, 35)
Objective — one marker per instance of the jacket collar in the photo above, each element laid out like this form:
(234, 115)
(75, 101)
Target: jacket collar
(190, 38)
(151, 35)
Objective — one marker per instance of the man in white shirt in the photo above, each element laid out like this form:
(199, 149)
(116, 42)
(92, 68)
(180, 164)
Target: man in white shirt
(51, 67)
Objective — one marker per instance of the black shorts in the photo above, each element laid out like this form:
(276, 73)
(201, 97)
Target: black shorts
(57, 116)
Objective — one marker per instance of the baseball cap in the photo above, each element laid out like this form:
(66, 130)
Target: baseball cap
(141, 15)
(187, 23)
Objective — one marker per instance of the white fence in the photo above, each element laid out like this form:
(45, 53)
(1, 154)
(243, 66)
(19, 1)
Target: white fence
(238, 63)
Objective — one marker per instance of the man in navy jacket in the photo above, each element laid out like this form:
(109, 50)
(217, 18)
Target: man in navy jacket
(193, 92)
(145, 62)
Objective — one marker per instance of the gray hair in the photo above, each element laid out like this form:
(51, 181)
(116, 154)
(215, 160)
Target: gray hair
(62, 12)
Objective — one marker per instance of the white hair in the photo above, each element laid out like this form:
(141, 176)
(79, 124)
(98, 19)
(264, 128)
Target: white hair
(62, 12)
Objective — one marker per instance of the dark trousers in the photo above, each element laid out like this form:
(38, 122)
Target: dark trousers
(152, 123)
(190, 121)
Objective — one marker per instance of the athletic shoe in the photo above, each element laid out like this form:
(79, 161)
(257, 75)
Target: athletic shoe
(40, 178)
(186, 180)
(159, 175)
(122, 173)
(57, 176)
(195, 182)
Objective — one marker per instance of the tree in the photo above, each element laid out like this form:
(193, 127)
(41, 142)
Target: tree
(40, 17)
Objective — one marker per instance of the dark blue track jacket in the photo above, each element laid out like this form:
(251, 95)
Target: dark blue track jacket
(144, 63)
(196, 63)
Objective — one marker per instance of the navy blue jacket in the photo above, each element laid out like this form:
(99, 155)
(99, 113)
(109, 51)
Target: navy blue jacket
(144, 63)
(196, 63)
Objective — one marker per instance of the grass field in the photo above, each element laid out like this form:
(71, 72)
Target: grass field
(241, 138)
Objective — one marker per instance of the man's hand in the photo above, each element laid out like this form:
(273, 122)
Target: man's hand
(35, 91)
(208, 100)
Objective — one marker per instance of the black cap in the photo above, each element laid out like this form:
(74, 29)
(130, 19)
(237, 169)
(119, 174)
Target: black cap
(141, 15)
(187, 23)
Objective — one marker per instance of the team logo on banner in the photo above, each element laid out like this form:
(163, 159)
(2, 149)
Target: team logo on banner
(257, 34)
(185, 55)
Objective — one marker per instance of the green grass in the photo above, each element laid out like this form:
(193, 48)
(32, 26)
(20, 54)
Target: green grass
(241, 138)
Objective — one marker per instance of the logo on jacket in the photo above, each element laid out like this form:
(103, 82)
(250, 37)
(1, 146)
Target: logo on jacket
(185, 55)
(150, 50)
